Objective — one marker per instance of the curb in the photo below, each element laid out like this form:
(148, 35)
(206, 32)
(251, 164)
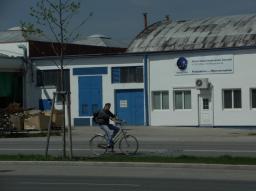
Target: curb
(132, 164)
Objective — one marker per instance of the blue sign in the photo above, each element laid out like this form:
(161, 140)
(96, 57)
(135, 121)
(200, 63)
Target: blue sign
(182, 63)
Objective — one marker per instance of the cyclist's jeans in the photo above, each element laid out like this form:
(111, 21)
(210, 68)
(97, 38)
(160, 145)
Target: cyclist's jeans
(110, 135)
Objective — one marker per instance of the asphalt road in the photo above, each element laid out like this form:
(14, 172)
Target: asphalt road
(159, 147)
(32, 183)
(26, 176)
(152, 140)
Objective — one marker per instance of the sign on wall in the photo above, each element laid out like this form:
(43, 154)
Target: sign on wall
(123, 103)
(219, 64)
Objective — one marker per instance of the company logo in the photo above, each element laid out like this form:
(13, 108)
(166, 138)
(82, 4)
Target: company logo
(182, 63)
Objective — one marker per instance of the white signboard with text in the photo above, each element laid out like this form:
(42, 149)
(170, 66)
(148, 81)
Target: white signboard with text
(123, 103)
(219, 64)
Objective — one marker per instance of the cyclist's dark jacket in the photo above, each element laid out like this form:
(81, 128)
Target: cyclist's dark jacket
(103, 117)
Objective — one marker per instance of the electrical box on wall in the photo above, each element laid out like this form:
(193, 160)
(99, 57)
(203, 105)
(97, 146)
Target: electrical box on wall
(202, 83)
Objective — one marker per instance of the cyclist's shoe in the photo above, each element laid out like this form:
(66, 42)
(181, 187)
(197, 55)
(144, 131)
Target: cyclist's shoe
(113, 151)
(110, 146)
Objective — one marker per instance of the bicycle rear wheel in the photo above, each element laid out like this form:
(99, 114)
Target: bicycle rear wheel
(98, 145)
(129, 145)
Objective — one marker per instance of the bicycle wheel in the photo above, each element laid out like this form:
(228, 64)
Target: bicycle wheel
(129, 145)
(98, 145)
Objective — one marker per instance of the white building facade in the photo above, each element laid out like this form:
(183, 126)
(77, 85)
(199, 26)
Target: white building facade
(216, 89)
(189, 73)
(94, 81)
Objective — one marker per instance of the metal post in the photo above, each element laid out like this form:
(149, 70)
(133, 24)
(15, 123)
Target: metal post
(50, 126)
(63, 95)
(69, 126)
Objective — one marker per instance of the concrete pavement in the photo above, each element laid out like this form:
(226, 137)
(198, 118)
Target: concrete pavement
(152, 133)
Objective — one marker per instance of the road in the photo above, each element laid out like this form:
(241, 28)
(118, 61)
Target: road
(32, 183)
(124, 176)
(153, 140)
(159, 147)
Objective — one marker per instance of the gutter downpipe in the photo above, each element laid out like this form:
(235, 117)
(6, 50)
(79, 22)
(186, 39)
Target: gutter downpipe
(24, 80)
(146, 89)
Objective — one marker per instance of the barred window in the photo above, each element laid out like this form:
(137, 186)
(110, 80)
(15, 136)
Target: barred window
(133, 74)
(52, 78)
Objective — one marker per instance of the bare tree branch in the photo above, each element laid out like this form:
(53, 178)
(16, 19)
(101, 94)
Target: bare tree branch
(52, 5)
(80, 25)
(52, 30)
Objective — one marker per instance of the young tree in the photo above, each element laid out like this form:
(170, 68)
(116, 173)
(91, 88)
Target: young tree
(53, 21)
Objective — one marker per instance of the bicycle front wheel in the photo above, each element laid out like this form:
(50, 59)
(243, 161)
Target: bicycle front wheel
(129, 145)
(98, 145)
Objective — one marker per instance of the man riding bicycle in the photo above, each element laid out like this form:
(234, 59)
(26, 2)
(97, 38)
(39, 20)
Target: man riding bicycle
(102, 118)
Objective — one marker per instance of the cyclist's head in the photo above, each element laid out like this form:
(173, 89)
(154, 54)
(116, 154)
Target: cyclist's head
(107, 106)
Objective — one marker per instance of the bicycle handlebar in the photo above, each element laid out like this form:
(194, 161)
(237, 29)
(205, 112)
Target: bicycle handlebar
(120, 122)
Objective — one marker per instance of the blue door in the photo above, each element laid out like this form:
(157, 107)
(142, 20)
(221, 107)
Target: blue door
(130, 106)
(90, 94)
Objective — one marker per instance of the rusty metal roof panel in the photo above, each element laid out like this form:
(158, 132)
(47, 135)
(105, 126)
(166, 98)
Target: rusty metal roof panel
(217, 32)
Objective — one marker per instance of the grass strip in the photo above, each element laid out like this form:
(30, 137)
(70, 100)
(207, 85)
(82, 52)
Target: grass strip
(150, 159)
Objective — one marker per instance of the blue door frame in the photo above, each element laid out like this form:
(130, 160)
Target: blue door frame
(129, 106)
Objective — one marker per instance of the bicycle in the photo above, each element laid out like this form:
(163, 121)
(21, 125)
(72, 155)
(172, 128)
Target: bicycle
(128, 144)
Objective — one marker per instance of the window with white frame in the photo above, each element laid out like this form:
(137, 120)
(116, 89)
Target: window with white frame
(182, 99)
(232, 99)
(160, 100)
(253, 98)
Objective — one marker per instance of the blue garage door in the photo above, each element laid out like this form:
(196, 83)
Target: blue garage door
(130, 106)
(90, 94)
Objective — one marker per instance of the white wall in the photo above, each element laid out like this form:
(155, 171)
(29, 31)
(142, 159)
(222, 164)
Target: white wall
(162, 72)
(108, 88)
(12, 49)
(163, 77)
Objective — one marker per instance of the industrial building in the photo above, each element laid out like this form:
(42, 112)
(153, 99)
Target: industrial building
(18, 47)
(201, 72)
(198, 72)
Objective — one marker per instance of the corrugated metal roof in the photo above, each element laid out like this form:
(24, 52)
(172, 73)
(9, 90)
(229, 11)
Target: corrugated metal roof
(3, 55)
(209, 33)
(15, 34)
(100, 40)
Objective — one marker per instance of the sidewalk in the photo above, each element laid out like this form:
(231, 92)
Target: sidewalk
(152, 133)
(174, 141)
(192, 141)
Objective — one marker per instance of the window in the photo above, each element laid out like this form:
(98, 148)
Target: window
(232, 99)
(253, 98)
(133, 74)
(182, 99)
(205, 103)
(160, 100)
(52, 78)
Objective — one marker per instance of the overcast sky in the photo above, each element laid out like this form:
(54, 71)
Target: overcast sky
(122, 19)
